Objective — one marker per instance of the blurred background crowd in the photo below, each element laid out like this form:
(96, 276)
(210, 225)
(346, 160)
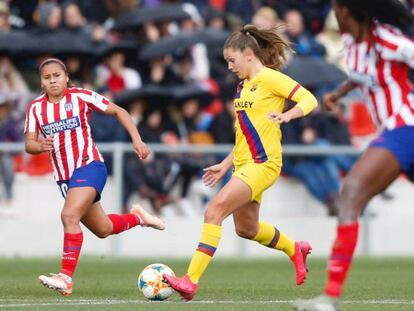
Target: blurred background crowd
(162, 61)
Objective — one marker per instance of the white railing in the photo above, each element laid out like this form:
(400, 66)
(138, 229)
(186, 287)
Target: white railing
(118, 149)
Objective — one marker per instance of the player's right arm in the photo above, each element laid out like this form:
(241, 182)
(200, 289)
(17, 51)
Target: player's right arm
(330, 99)
(35, 146)
(213, 174)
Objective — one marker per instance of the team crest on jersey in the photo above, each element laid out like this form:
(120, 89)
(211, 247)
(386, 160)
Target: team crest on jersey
(68, 106)
(253, 88)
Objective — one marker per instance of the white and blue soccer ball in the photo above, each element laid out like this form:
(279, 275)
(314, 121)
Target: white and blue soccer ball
(151, 283)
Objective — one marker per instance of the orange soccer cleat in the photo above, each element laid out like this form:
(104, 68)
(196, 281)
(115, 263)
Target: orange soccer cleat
(58, 282)
(183, 285)
(302, 250)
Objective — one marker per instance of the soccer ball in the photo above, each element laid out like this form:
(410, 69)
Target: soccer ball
(151, 283)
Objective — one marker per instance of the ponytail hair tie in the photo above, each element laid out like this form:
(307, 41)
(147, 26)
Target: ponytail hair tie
(244, 31)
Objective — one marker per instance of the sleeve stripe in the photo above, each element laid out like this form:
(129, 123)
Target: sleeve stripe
(294, 91)
(387, 44)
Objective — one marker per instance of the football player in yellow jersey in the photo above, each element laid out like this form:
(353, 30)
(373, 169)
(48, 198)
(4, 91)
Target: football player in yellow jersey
(254, 55)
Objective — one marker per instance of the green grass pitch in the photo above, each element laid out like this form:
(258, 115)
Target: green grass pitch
(229, 284)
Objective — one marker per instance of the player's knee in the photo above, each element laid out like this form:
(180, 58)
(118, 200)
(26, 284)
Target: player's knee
(246, 233)
(102, 233)
(214, 213)
(69, 217)
(352, 189)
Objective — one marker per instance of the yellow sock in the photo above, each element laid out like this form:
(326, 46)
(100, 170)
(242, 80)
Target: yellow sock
(210, 239)
(269, 236)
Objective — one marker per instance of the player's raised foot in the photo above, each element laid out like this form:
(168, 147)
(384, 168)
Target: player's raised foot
(58, 282)
(319, 303)
(302, 250)
(148, 219)
(183, 285)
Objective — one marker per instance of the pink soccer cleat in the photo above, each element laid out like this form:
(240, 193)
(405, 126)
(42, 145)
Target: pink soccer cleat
(302, 250)
(183, 285)
(148, 219)
(58, 282)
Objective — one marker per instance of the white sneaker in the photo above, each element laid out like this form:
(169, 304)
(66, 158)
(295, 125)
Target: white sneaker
(148, 219)
(58, 282)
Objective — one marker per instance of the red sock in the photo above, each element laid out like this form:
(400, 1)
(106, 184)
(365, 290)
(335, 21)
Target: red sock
(123, 222)
(72, 244)
(341, 258)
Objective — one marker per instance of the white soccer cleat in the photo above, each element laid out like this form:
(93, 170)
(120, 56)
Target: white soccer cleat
(148, 219)
(58, 282)
(319, 303)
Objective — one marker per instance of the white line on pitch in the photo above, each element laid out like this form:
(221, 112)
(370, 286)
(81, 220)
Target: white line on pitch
(55, 302)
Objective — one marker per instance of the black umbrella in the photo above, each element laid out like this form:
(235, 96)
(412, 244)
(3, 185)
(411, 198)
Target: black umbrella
(152, 93)
(124, 46)
(140, 16)
(59, 42)
(314, 72)
(14, 41)
(181, 41)
(197, 90)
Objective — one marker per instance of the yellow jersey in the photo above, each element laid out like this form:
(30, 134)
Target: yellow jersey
(258, 139)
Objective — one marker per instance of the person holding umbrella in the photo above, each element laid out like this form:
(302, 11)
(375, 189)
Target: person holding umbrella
(255, 56)
(379, 57)
(61, 116)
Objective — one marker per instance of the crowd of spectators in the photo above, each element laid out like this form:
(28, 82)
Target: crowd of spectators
(177, 91)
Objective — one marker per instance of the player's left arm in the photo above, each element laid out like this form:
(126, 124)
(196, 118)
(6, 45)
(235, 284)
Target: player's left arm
(125, 119)
(284, 86)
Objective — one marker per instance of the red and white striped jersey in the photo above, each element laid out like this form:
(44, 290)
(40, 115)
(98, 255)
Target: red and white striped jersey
(67, 121)
(380, 67)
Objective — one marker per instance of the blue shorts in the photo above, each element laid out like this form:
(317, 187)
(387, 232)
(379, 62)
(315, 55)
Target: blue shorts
(400, 142)
(91, 175)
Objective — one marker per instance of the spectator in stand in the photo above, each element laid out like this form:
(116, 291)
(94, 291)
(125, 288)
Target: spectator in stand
(9, 132)
(266, 17)
(314, 172)
(304, 42)
(48, 16)
(187, 126)
(200, 65)
(4, 17)
(73, 20)
(115, 75)
(12, 82)
(151, 179)
(330, 38)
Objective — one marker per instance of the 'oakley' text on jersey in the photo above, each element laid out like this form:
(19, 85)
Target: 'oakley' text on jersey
(67, 121)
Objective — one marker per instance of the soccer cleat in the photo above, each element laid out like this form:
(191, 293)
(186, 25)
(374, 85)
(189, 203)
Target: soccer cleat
(183, 285)
(319, 303)
(58, 282)
(148, 219)
(302, 250)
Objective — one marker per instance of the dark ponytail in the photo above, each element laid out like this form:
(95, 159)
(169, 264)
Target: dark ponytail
(392, 12)
(268, 45)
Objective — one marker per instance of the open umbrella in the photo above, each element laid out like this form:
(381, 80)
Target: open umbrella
(152, 93)
(123, 46)
(181, 41)
(59, 42)
(140, 16)
(314, 72)
(14, 41)
(197, 90)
